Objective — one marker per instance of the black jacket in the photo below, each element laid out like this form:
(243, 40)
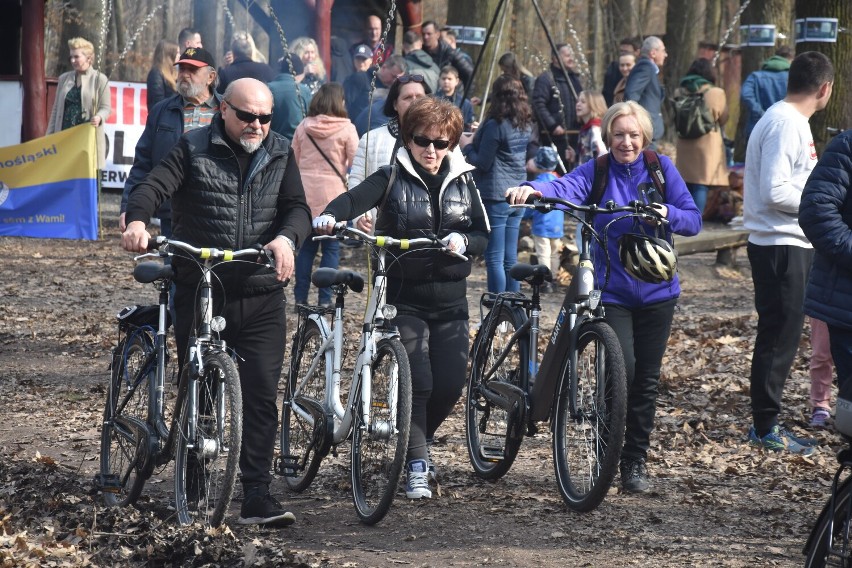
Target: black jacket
(444, 54)
(428, 284)
(212, 206)
(545, 104)
(242, 68)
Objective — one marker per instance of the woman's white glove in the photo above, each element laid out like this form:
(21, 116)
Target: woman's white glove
(455, 242)
(324, 224)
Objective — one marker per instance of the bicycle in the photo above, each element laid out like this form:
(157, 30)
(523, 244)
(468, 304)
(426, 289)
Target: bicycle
(578, 384)
(377, 412)
(205, 430)
(828, 543)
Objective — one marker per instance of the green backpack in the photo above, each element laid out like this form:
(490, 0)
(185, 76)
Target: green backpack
(693, 118)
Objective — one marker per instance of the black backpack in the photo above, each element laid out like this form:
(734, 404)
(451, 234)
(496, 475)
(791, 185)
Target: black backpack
(693, 118)
(652, 163)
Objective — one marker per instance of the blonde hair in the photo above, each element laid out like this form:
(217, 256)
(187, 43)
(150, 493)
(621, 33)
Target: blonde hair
(595, 101)
(298, 47)
(628, 108)
(81, 43)
(164, 59)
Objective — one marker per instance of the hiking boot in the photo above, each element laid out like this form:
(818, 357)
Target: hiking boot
(261, 508)
(417, 485)
(634, 476)
(779, 439)
(821, 418)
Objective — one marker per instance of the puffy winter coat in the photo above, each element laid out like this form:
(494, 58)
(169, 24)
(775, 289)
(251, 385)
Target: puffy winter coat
(623, 186)
(213, 206)
(825, 215)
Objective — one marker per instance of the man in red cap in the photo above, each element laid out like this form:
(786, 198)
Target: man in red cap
(194, 105)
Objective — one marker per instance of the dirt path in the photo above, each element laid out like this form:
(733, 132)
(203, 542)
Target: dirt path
(715, 501)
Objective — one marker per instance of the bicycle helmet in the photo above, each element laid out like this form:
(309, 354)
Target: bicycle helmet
(647, 258)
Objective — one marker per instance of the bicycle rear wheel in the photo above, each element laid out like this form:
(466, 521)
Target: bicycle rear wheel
(588, 434)
(301, 442)
(208, 450)
(379, 448)
(490, 447)
(123, 432)
(828, 544)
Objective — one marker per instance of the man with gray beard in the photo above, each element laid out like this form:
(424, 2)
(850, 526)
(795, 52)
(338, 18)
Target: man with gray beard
(193, 106)
(234, 184)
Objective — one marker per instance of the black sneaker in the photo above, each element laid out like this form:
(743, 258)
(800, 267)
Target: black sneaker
(634, 476)
(261, 508)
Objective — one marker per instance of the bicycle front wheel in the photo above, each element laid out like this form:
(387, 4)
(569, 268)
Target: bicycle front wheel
(301, 453)
(123, 428)
(589, 420)
(379, 447)
(490, 447)
(828, 544)
(208, 445)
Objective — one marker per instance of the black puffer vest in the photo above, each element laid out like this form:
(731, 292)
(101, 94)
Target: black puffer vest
(215, 207)
(408, 212)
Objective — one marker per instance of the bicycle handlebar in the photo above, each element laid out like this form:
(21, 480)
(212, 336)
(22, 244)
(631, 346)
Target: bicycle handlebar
(342, 230)
(643, 210)
(207, 253)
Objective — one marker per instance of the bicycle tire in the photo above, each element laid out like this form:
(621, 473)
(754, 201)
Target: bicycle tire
(491, 449)
(587, 446)
(299, 438)
(206, 466)
(834, 523)
(379, 448)
(123, 429)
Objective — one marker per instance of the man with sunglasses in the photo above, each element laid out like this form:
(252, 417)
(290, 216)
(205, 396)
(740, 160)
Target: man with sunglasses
(193, 106)
(234, 184)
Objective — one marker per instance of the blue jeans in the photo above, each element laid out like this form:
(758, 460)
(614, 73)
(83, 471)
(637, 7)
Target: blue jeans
(502, 251)
(699, 195)
(305, 264)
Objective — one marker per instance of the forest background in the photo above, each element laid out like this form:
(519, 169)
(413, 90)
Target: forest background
(125, 32)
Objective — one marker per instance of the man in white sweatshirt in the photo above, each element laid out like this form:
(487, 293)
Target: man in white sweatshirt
(779, 159)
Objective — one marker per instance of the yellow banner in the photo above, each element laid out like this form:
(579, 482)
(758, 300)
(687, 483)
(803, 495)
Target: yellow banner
(69, 154)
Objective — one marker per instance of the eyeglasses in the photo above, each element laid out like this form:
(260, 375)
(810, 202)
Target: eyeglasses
(248, 117)
(403, 79)
(424, 142)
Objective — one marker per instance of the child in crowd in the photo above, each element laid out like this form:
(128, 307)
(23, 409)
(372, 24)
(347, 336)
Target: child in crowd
(449, 90)
(590, 107)
(547, 228)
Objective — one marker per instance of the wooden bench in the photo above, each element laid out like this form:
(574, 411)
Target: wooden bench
(724, 240)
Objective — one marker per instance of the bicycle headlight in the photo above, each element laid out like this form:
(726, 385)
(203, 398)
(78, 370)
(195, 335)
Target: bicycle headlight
(217, 324)
(389, 311)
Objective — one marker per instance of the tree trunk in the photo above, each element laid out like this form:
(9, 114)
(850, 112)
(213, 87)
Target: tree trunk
(82, 19)
(481, 13)
(776, 12)
(712, 20)
(837, 113)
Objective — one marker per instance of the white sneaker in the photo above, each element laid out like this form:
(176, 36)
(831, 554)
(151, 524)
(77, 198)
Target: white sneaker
(417, 486)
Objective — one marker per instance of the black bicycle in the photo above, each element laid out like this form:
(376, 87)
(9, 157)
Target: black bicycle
(201, 427)
(578, 384)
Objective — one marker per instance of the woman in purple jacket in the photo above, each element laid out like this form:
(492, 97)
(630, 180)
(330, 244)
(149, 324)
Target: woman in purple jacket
(639, 311)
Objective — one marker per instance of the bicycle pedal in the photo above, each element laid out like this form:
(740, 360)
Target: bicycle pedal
(107, 483)
(288, 466)
(491, 453)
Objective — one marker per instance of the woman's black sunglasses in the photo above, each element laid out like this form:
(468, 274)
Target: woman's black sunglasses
(403, 79)
(248, 117)
(424, 142)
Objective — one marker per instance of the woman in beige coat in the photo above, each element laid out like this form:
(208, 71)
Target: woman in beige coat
(82, 95)
(702, 161)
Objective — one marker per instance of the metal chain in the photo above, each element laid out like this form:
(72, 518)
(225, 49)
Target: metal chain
(378, 63)
(289, 58)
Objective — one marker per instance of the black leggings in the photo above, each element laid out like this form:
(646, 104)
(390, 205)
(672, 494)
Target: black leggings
(438, 353)
(643, 334)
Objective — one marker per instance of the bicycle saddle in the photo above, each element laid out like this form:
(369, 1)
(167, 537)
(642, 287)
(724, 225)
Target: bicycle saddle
(325, 277)
(533, 274)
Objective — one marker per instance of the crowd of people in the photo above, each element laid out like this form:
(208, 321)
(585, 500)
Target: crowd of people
(395, 147)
